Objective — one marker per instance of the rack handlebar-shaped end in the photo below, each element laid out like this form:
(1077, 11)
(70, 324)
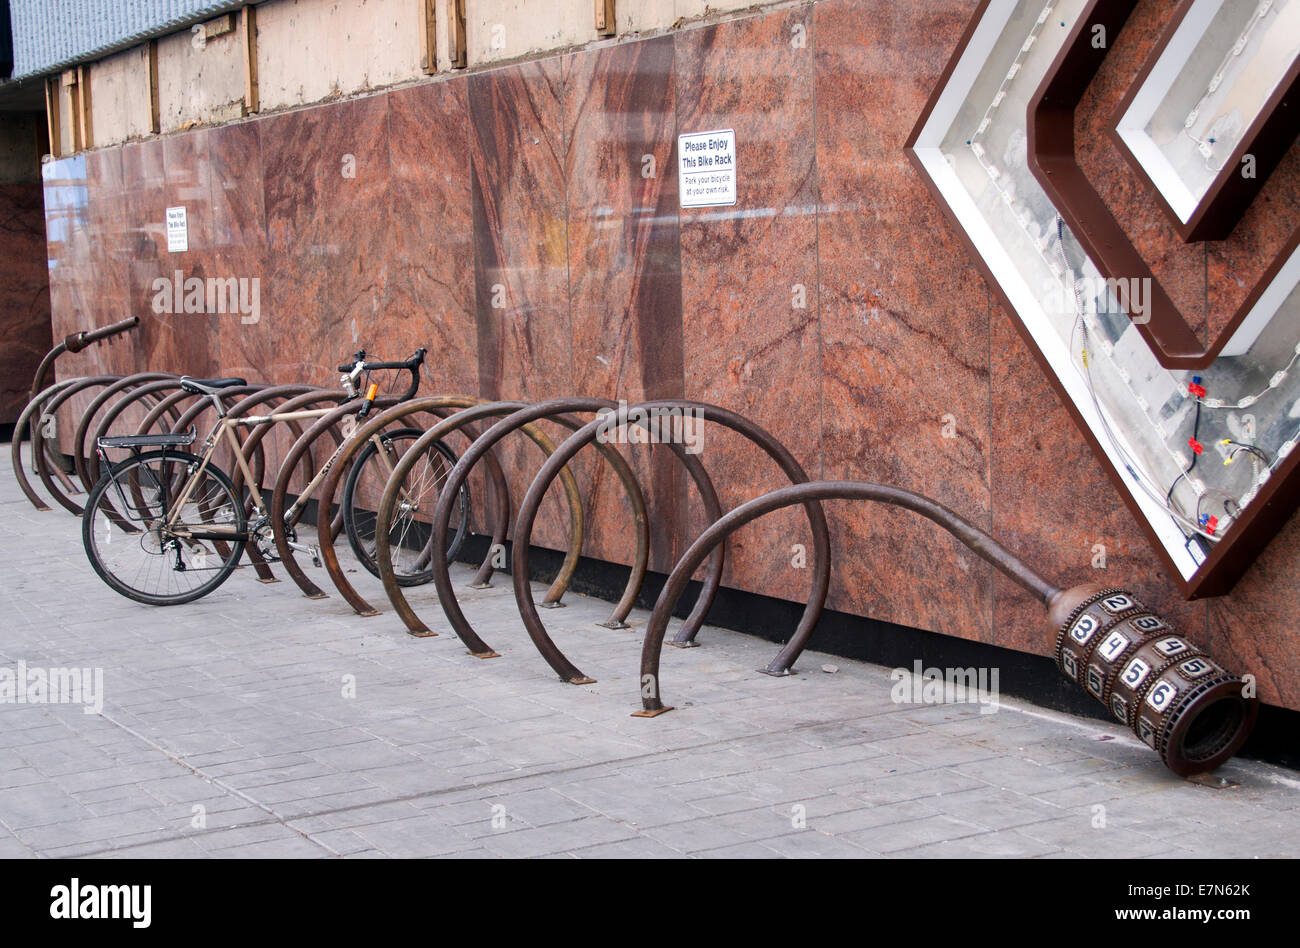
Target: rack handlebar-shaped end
(75, 342)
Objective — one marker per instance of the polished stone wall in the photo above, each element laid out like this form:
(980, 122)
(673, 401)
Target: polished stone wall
(24, 294)
(523, 223)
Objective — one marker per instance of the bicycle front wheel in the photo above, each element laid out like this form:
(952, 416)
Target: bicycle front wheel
(411, 533)
(145, 546)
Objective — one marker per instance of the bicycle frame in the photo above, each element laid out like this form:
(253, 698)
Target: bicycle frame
(225, 427)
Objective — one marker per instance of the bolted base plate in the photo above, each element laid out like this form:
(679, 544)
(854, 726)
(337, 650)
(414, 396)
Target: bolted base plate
(551, 605)
(777, 673)
(480, 585)
(421, 633)
(613, 625)
(691, 644)
(485, 654)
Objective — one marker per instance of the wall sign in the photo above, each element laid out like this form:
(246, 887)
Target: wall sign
(706, 165)
(178, 232)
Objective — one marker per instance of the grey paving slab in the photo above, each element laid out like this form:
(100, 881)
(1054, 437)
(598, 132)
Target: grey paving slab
(227, 732)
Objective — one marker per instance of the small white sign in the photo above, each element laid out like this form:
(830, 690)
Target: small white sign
(178, 231)
(706, 169)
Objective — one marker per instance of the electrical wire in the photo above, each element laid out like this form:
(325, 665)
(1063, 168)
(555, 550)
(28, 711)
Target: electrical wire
(1081, 328)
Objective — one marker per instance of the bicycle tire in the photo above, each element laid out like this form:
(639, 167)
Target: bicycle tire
(117, 489)
(359, 519)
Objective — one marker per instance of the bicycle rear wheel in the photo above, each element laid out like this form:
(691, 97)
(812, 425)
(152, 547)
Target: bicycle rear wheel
(133, 549)
(411, 533)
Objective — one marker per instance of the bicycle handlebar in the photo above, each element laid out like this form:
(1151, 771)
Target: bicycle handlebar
(412, 365)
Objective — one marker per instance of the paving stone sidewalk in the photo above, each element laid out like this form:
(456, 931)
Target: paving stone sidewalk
(225, 731)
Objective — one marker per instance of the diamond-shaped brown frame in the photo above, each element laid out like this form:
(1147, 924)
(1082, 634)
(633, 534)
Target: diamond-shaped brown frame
(1266, 140)
(1172, 340)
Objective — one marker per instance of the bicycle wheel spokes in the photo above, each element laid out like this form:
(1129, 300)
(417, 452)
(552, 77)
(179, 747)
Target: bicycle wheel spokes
(151, 550)
(410, 533)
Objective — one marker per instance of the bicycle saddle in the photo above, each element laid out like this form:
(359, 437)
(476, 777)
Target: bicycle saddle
(208, 386)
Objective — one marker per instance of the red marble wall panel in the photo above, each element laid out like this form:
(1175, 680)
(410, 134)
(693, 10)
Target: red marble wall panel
(24, 293)
(516, 137)
(354, 177)
(430, 300)
(109, 261)
(749, 275)
(287, 344)
(238, 239)
(1254, 628)
(906, 343)
(73, 265)
(625, 285)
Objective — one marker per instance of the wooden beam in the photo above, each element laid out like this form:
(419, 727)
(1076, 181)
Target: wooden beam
(605, 17)
(220, 26)
(68, 84)
(428, 35)
(83, 107)
(456, 34)
(52, 116)
(248, 46)
(155, 114)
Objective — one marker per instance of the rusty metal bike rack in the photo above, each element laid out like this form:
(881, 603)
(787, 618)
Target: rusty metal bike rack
(15, 446)
(439, 407)
(40, 392)
(785, 659)
(555, 411)
(471, 409)
(81, 456)
(796, 494)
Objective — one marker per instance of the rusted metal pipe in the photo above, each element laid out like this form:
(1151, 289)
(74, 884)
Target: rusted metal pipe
(476, 410)
(75, 342)
(80, 458)
(764, 440)
(15, 446)
(979, 541)
(527, 517)
(557, 411)
(1173, 695)
(39, 456)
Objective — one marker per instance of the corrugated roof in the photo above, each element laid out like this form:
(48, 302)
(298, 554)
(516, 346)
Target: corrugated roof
(50, 35)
